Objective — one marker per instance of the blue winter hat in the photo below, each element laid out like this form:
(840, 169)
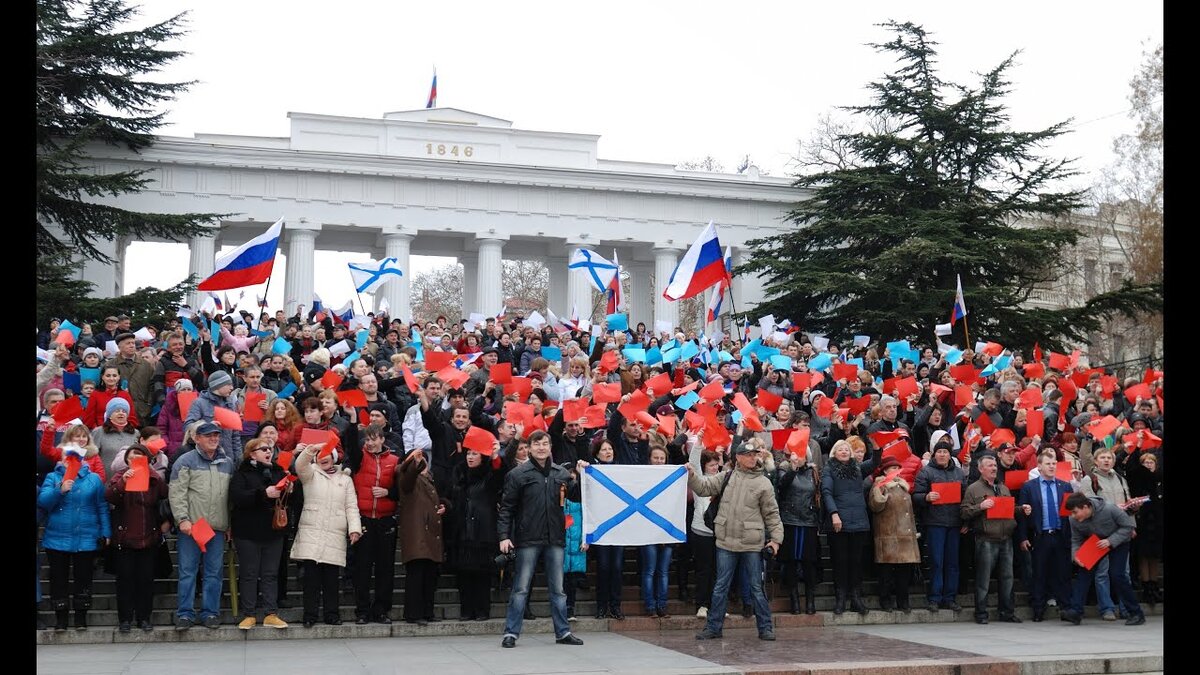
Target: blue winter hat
(115, 405)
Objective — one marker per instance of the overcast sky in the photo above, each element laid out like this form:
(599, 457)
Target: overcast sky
(659, 82)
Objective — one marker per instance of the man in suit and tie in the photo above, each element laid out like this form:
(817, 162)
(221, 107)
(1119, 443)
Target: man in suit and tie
(1047, 535)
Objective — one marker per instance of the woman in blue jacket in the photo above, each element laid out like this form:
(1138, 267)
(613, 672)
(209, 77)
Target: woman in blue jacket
(76, 528)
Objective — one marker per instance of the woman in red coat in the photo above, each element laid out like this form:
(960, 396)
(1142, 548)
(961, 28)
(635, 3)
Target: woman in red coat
(137, 532)
(108, 389)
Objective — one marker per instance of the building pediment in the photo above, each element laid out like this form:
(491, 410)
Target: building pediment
(447, 116)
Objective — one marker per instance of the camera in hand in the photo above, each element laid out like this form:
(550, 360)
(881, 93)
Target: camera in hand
(767, 553)
(504, 558)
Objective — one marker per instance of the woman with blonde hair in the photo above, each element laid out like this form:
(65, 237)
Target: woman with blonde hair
(253, 492)
(845, 508)
(577, 381)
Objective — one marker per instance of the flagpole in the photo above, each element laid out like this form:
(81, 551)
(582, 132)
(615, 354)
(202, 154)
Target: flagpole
(966, 333)
(360, 302)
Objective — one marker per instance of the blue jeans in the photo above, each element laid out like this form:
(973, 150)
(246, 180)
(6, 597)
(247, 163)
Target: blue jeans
(1104, 601)
(751, 565)
(943, 563)
(656, 558)
(993, 556)
(190, 559)
(552, 561)
(1118, 574)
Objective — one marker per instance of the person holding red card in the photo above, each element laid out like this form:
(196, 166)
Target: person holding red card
(374, 470)
(252, 392)
(846, 521)
(895, 535)
(139, 530)
(993, 540)
(254, 492)
(1096, 517)
(77, 527)
(476, 491)
(330, 514)
(75, 434)
(1044, 534)
(217, 395)
(422, 549)
(942, 521)
(199, 490)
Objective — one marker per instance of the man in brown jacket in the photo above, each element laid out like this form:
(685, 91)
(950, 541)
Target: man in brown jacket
(993, 548)
(747, 512)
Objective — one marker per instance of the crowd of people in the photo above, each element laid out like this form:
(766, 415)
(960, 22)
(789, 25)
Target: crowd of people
(308, 441)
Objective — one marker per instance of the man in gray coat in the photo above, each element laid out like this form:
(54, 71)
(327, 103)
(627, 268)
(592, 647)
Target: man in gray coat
(1114, 527)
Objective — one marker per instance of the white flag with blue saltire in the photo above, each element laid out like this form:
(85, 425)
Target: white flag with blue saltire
(599, 272)
(372, 274)
(612, 514)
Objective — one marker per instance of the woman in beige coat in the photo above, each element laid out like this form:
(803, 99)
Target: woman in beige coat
(895, 536)
(330, 513)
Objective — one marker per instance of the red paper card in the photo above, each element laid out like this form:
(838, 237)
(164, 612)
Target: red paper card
(889, 386)
(666, 425)
(202, 533)
(331, 379)
(694, 421)
(1090, 552)
(779, 438)
(857, 405)
(825, 407)
(65, 338)
(801, 381)
(749, 414)
(964, 373)
(659, 384)
(1005, 507)
(521, 386)
(1059, 362)
(1062, 470)
(713, 390)
(155, 445)
(519, 413)
(1108, 384)
(940, 391)
(899, 450)
(964, 395)
(883, 438)
(907, 386)
(501, 373)
(1015, 477)
(284, 460)
(1034, 371)
(606, 393)
(770, 402)
(948, 493)
(646, 420)
(1035, 423)
(313, 436)
(364, 417)
(435, 361)
(637, 401)
(1142, 390)
(715, 434)
(1000, 436)
(353, 397)
(67, 409)
(1030, 399)
(797, 441)
(72, 462)
(1062, 505)
(186, 398)
(140, 480)
(250, 411)
(574, 409)
(479, 440)
(985, 423)
(595, 416)
(1100, 428)
(608, 362)
(845, 371)
(227, 419)
(815, 377)
(409, 379)
(453, 376)
(993, 349)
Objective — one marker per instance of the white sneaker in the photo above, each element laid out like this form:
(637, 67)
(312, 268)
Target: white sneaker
(1052, 602)
(702, 613)
(571, 618)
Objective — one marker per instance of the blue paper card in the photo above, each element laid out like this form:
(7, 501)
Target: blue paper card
(746, 363)
(858, 362)
(899, 346)
(634, 354)
(820, 361)
(954, 356)
(281, 346)
(765, 353)
(92, 374)
(1002, 362)
(71, 382)
(70, 327)
(653, 356)
(668, 345)
(262, 333)
(618, 322)
(670, 356)
(781, 362)
(724, 356)
(688, 400)
(736, 416)
(552, 354)
(360, 339)
(288, 390)
(688, 350)
(351, 357)
(190, 327)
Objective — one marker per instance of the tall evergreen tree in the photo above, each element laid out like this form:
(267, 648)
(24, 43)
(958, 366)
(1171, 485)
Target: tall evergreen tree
(935, 188)
(92, 88)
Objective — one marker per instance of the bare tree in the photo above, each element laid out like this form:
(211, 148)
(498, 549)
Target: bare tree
(438, 292)
(527, 282)
(706, 163)
(827, 148)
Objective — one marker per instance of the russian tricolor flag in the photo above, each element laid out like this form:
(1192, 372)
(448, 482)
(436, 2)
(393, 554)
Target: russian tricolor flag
(247, 265)
(714, 303)
(701, 267)
(960, 304)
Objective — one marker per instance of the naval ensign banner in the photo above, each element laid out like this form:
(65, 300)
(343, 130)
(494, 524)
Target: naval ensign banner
(634, 505)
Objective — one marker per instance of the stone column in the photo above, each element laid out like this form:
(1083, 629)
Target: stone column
(396, 244)
(201, 263)
(558, 287)
(579, 287)
(470, 263)
(665, 258)
(299, 283)
(489, 286)
(639, 295)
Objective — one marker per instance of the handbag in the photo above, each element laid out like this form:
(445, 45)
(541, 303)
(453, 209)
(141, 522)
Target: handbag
(710, 513)
(279, 518)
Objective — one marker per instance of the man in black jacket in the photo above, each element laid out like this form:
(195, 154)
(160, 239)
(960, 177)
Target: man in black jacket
(568, 440)
(532, 524)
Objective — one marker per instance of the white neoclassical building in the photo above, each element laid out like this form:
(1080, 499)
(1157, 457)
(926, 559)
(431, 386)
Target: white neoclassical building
(448, 182)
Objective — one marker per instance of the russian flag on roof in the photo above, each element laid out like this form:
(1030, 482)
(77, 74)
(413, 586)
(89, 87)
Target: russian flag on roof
(248, 264)
(701, 267)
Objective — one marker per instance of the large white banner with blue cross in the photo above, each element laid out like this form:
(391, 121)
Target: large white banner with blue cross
(634, 505)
